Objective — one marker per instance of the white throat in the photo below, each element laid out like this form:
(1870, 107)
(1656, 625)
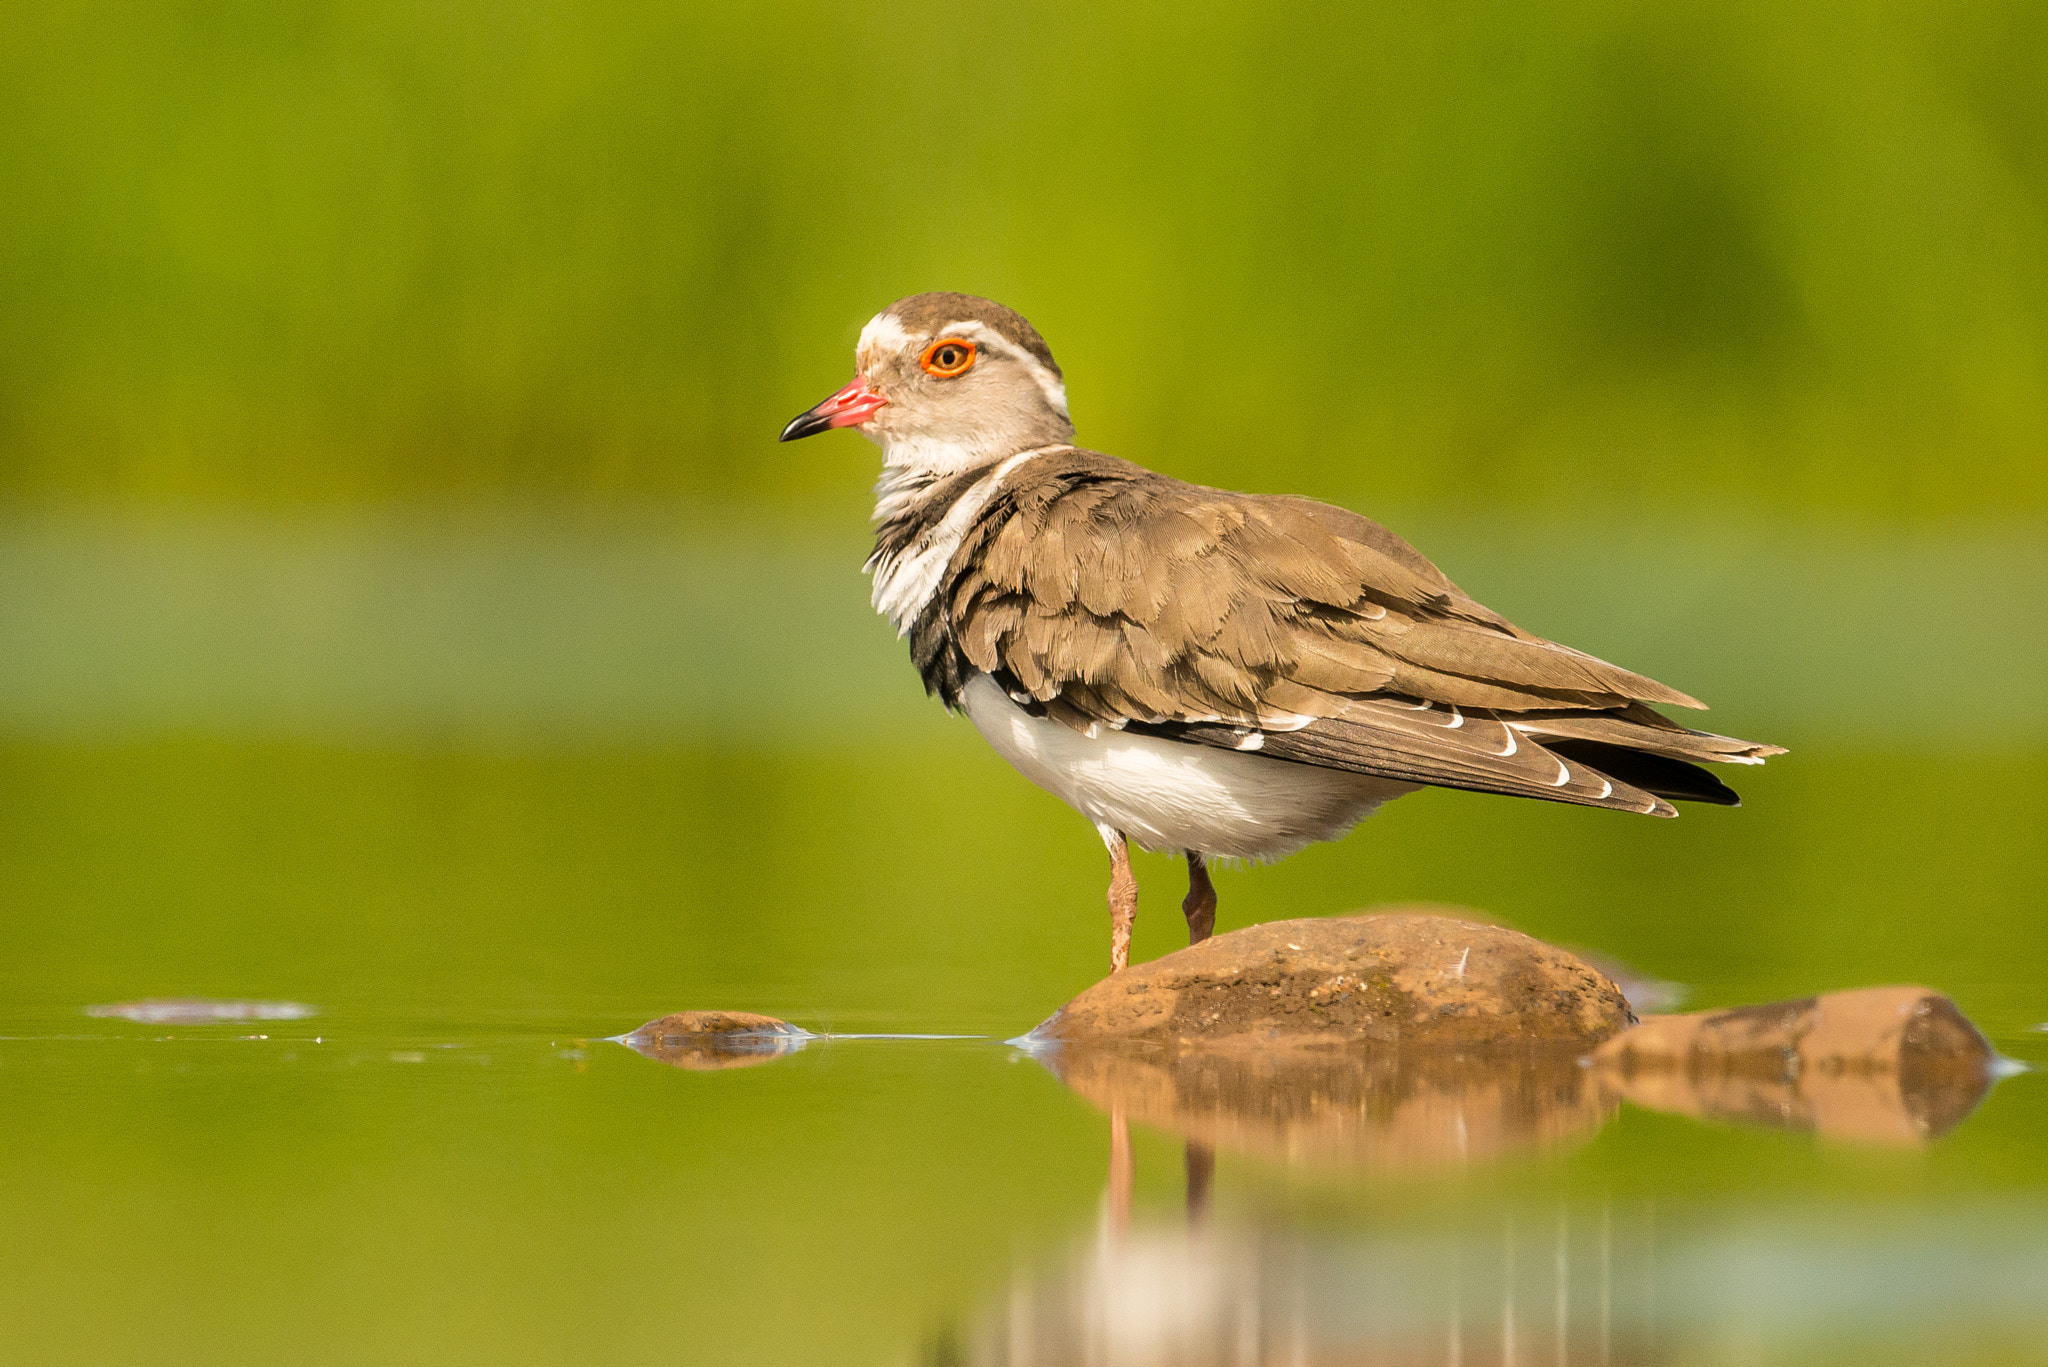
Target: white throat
(932, 457)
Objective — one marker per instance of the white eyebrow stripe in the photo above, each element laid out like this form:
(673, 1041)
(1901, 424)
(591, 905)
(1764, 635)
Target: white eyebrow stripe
(981, 334)
(885, 332)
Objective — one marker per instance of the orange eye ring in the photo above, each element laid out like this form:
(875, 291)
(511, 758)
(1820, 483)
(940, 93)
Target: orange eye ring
(948, 357)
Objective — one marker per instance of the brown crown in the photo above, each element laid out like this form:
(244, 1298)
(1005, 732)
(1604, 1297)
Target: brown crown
(927, 313)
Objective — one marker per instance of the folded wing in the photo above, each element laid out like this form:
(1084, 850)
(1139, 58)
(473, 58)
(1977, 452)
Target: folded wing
(1108, 595)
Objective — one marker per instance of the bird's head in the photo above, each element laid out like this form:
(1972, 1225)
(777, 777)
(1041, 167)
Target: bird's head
(945, 382)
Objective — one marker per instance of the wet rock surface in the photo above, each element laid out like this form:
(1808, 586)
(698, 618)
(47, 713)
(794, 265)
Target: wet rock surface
(702, 1041)
(1879, 1064)
(1412, 979)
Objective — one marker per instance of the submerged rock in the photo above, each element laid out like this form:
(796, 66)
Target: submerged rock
(1410, 979)
(705, 1040)
(1880, 1064)
(202, 1011)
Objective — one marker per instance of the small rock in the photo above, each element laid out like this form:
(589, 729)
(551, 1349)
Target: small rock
(1409, 979)
(702, 1041)
(1879, 1064)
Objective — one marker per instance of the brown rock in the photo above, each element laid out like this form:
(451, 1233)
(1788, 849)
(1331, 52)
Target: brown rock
(1382, 1109)
(1880, 1064)
(705, 1040)
(1644, 991)
(1408, 979)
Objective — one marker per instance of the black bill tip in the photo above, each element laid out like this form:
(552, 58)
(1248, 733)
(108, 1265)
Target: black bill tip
(807, 424)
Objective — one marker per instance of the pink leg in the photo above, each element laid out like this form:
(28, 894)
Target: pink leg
(1122, 1172)
(1123, 901)
(1200, 906)
(1201, 1170)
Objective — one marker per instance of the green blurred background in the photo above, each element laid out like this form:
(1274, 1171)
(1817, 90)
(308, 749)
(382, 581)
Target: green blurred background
(1755, 255)
(405, 607)
(384, 380)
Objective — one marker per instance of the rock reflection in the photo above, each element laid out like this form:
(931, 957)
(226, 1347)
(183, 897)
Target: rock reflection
(1888, 1065)
(1882, 1065)
(1385, 1110)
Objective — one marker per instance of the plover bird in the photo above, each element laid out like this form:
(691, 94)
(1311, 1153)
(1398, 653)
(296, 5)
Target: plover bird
(1224, 675)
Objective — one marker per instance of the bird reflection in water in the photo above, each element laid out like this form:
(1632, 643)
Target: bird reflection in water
(1526, 1288)
(1471, 1284)
(1552, 1285)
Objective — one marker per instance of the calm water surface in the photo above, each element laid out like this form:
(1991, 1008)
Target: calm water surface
(451, 1162)
(487, 800)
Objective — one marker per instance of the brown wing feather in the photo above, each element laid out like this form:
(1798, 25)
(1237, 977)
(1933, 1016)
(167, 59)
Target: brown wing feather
(1118, 596)
(1639, 728)
(1445, 747)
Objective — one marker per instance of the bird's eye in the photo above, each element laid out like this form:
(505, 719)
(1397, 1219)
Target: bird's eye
(947, 357)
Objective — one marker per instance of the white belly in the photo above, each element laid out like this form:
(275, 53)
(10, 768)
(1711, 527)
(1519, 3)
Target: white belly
(1166, 795)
